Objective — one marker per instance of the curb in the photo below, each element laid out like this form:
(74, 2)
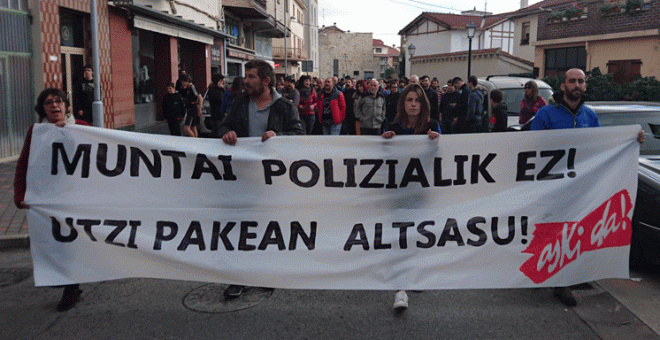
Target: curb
(14, 241)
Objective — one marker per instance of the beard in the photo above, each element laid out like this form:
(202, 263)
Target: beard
(255, 91)
(575, 94)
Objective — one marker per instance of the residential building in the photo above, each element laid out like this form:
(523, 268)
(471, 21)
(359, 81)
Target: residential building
(290, 51)
(251, 25)
(344, 53)
(312, 37)
(525, 21)
(386, 57)
(624, 44)
(442, 45)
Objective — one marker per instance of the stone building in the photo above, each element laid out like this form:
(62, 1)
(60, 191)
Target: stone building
(345, 53)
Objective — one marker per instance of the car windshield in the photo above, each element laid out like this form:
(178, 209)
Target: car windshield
(513, 98)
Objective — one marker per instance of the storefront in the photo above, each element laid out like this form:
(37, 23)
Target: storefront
(236, 59)
(162, 46)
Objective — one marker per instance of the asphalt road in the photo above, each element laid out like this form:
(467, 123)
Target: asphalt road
(164, 309)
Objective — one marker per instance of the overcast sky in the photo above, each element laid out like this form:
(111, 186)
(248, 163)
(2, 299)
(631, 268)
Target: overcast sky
(385, 18)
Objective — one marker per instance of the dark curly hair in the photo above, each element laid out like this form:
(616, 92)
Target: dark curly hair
(42, 98)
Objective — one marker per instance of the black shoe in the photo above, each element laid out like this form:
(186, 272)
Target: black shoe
(565, 295)
(233, 291)
(69, 299)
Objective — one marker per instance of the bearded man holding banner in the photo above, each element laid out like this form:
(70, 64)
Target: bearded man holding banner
(259, 112)
(567, 112)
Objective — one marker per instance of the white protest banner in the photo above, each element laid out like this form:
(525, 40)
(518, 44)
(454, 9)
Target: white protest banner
(500, 210)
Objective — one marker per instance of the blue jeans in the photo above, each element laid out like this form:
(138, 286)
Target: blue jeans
(332, 129)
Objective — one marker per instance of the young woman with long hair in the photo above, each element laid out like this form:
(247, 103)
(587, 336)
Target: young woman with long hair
(413, 118)
(531, 103)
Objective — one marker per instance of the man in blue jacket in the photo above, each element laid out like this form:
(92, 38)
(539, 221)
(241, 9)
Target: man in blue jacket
(569, 112)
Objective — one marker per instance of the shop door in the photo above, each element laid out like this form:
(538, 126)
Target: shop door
(73, 63)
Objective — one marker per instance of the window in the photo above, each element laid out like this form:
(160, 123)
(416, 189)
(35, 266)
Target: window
(20, 5)
(232, 28)
(624, 71)
(379, 50)
(335, 67)
(144, 67)
(524, 40)
(560, 60)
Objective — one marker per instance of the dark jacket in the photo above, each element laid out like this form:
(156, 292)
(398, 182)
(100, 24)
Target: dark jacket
(500, 114)
(398, 129)
(173, 106)
(83, 97)
(391, 103)
(462, 106)
(432, 96)
(214, 95)
(283, 118)
(448, 113)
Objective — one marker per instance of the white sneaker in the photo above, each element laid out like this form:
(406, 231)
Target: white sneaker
(400, 300)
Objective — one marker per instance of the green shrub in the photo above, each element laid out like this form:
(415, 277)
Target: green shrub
(602, 87)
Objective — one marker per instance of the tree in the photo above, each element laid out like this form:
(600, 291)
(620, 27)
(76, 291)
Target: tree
(391, 72)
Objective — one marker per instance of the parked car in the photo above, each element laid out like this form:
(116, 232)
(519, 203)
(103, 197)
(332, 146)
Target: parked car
(513, 90)
(645, 245)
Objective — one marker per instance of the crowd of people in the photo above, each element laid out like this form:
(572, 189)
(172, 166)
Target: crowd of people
(347, 106)
(252, 107)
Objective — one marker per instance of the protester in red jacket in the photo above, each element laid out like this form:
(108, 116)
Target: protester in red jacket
(308, 104)
(332, 108)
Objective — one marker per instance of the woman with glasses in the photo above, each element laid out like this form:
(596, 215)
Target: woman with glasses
(531, 103)
(52, 107)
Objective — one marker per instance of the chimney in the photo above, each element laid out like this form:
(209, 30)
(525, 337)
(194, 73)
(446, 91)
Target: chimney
(524, 3)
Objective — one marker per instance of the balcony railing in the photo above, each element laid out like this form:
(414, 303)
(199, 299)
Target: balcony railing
(297, 54)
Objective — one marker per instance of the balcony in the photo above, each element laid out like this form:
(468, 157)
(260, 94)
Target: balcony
(247, 9)
(293, 54)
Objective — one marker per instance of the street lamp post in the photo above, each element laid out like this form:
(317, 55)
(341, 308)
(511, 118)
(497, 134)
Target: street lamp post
(471, 30)
(411, 53)
(345, 64)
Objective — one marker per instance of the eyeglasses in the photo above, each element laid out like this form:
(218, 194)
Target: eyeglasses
(51, 102)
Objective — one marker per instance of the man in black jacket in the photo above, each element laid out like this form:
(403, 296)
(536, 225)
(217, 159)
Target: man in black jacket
(461, 107)
(431, 95)
(260, 111)
(449, 108)
(391, 102)
(83, 96)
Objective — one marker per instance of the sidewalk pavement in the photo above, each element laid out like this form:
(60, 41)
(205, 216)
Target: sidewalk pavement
(13, 221)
